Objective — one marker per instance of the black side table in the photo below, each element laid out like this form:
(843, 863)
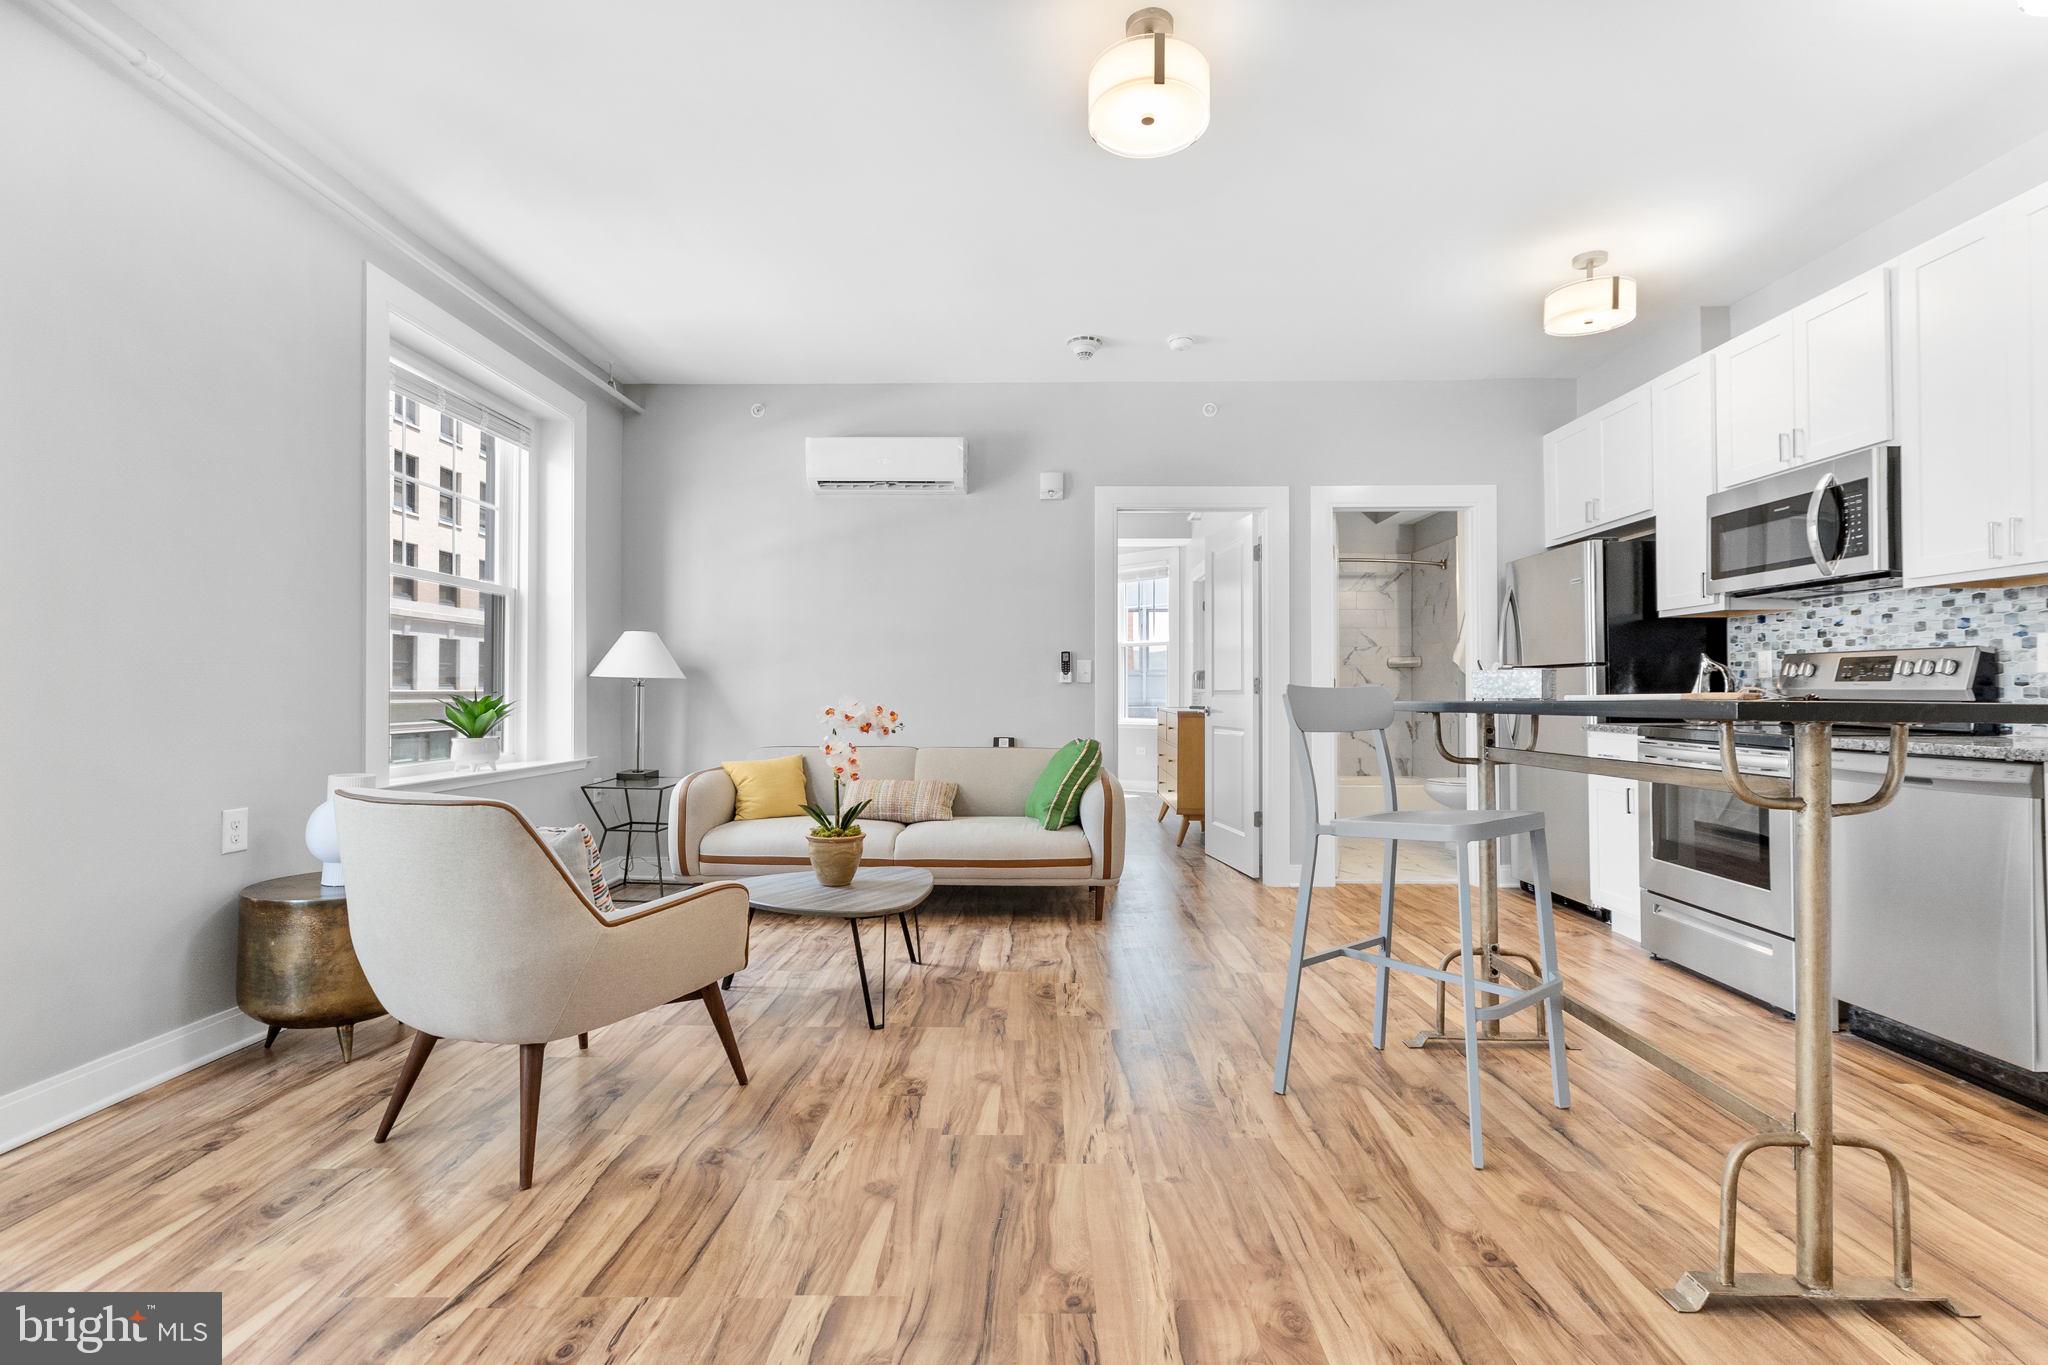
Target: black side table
(642, 808)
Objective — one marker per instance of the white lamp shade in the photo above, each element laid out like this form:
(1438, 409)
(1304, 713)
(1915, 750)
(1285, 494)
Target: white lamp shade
(638, 654)
(1586, 307)
(1132, 115)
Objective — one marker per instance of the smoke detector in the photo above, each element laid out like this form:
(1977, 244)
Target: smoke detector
(1084, 348)
(1180, 341)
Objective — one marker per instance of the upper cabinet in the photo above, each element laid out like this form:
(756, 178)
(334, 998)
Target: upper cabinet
(1813, 383)
(1756, 411)
(1596, 470)
(1973, 382)
(1682, 452)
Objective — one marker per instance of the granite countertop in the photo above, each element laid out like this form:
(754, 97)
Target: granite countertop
(2030, 745)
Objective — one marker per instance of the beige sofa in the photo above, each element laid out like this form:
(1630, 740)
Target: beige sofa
(988, 842)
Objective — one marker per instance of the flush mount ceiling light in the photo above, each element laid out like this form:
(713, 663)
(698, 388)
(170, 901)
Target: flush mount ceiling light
(1592, 305)
(1148, 95)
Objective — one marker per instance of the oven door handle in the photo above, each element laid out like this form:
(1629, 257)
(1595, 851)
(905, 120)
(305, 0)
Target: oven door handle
(1821, 561)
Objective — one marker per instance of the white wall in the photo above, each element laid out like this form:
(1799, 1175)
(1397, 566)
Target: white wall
(1674, 337)
(181, 543)
(954, 610)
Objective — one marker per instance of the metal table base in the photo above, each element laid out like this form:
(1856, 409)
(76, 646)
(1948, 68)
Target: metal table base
(1810, 1131)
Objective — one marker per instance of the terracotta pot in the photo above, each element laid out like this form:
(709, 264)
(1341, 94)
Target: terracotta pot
(836, 860)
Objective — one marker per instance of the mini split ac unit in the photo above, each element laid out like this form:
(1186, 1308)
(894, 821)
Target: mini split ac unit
(886, 464)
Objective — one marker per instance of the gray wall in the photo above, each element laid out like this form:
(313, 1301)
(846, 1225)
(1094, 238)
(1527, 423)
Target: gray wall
(954, 610)
(181, 544)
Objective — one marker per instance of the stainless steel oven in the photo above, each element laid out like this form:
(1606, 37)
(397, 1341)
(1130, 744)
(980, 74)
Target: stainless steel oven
(1708, 848)
(1817, 527)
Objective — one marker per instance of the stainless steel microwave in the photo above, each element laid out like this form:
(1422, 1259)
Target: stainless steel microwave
(1822, 526)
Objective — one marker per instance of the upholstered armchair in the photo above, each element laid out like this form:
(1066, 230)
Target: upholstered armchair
(468, 927)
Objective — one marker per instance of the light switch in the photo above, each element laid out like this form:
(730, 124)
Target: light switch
(1084, 670)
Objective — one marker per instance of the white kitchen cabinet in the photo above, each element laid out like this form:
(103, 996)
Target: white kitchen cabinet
(1958, 312)
(1615, 838)
(1842, 369)
(1755, 409)
(1973, 382)
(1682, 455)
(2028, 540)
(1596, 470)
(1811, 384)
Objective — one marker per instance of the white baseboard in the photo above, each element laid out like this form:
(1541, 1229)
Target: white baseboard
(33, 1110)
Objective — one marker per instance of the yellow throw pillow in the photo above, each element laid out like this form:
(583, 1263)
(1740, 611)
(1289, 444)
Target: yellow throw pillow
(768, 787)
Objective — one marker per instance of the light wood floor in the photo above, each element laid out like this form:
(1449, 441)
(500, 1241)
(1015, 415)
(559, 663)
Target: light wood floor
(1063, 1148)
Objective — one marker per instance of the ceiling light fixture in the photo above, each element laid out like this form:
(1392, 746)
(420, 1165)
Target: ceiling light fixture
(1595, 304)
(1148, 94)
(2037, 8)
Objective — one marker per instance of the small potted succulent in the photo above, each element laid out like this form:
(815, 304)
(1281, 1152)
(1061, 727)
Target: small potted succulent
(836, 838)
(479, 739)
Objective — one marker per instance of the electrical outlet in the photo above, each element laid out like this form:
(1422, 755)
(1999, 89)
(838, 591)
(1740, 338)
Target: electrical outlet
(234, 830)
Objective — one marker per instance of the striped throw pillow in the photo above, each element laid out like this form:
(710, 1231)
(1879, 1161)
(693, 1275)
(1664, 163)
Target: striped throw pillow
(1056, 797)
(904, 801)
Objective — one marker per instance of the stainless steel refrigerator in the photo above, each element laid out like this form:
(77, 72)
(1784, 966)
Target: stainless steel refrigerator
(1589, 611)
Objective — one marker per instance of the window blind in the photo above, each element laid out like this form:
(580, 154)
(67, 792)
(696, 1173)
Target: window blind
(500, 424)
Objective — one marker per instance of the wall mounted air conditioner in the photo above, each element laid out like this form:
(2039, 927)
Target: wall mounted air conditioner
(886, 464)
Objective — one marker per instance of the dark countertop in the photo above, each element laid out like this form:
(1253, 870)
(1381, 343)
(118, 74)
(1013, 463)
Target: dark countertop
(1768, 711)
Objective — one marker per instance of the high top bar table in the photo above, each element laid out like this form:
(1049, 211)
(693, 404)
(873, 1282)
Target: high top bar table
(1810, 1131)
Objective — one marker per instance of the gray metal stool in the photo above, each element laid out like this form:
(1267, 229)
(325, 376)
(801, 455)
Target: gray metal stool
(1348, 710)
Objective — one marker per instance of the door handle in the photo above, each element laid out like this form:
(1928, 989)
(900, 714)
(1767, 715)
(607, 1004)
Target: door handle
(1991, 540)
(1703, 582)
(1820, 560)
(1783, 438)
(1798, 439)
(2013, 526)
(1596, 510)
(1628, 800)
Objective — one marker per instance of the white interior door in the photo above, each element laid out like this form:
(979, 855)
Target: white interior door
(1231, 819)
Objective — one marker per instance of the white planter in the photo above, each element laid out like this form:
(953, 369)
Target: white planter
(478, 755)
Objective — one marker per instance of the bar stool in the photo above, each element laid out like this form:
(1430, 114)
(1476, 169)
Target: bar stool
(1348, 710)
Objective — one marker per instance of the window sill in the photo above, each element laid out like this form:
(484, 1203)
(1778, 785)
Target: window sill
(504, 772)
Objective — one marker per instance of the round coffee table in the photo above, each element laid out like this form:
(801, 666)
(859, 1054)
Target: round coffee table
(875, 893)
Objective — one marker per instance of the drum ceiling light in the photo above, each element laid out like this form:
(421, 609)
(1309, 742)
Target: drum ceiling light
(1148, 94)
(1590, 306)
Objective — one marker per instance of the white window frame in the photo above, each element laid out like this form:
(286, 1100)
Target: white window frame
(1133, 567)
(540, 552)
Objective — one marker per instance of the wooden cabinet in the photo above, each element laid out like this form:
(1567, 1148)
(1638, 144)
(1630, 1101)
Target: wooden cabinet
(1596, 470)
(1811, 384)
(1973, 376)
(1682, 453)
(1615, 838)
(1182, 768)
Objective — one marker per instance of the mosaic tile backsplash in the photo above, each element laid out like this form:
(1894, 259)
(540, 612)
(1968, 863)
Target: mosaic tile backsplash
(2004, 620)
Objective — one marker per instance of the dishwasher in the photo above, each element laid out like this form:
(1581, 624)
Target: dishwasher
(1940, 922)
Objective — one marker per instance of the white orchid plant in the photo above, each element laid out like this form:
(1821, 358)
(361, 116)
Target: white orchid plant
(847, 724)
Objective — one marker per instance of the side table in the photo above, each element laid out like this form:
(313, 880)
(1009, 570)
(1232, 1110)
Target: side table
(642, 808)
(296, 966)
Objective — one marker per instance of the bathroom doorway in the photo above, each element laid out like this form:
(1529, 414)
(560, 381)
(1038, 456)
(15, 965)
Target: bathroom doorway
(1401, 594)
(1398, 627)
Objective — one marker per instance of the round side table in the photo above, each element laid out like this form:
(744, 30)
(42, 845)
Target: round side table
(296, 967)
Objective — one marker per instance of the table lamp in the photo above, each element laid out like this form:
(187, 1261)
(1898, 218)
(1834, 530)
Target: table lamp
(639, 655)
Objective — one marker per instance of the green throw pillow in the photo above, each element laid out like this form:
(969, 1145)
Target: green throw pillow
(1056, 796)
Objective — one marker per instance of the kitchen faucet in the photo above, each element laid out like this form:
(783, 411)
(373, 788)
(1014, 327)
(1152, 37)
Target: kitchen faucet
(1703, 680)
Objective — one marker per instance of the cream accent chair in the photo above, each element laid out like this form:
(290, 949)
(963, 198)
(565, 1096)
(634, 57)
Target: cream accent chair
(468, 927)
(989, 841)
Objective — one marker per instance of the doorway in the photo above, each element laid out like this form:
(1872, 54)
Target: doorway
(1186, 624)
(1401, 594)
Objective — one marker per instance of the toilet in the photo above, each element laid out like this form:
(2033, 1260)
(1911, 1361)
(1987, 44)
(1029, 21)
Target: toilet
(1448, 792)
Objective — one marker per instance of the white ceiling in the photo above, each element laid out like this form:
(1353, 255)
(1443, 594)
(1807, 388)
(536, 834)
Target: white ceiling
(822, 190)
